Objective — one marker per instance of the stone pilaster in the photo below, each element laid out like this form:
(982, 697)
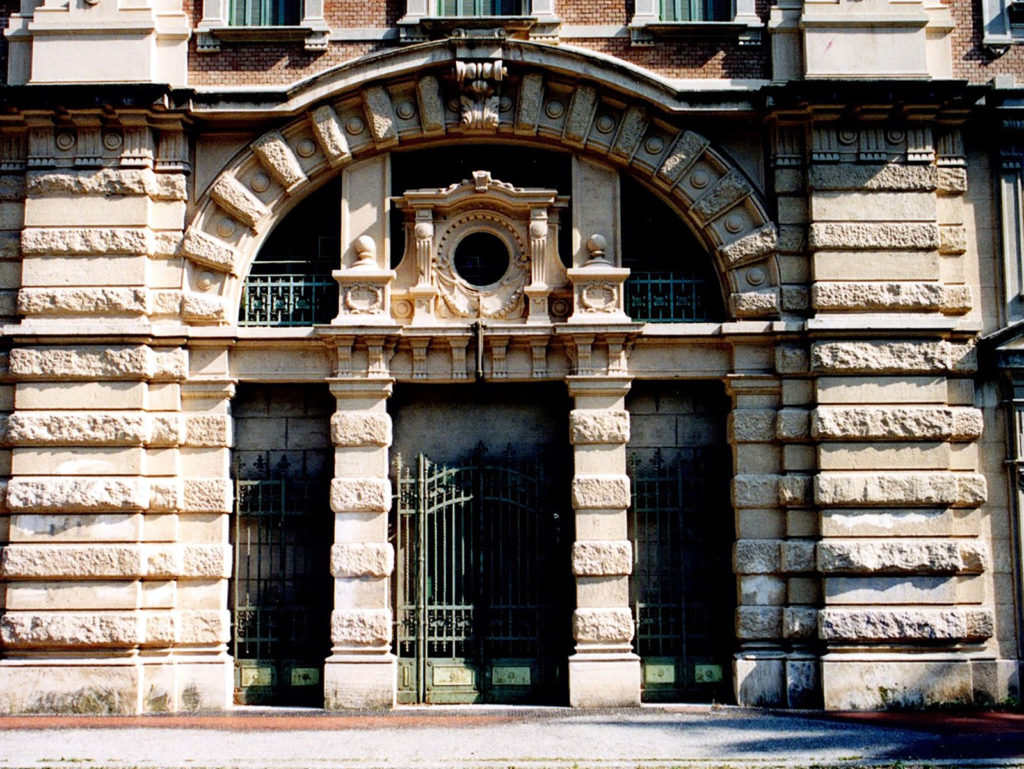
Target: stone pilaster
(360, 673)
(604, 671)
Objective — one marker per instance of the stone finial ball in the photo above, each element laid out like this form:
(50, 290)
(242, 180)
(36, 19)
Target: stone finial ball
(597, 243)
(365, 247)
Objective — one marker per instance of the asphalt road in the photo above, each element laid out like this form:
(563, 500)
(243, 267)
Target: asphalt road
(499, 738)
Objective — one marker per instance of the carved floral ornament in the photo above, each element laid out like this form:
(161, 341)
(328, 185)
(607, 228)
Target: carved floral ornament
(245, 201)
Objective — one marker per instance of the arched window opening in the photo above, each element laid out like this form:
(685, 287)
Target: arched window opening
(671, 278)
(290, 281)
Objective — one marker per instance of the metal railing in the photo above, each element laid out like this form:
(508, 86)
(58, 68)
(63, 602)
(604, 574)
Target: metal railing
(288, 300)
(666, 297)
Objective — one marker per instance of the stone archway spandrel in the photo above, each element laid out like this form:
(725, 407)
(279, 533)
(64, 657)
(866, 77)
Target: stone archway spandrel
(541, 108)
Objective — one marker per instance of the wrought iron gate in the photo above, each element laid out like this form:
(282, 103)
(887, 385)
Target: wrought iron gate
(481, 582)
(683, 589)
(281, 593)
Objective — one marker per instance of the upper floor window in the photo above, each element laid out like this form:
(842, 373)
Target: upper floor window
(696, 10)
(484, 7)
(264, 13)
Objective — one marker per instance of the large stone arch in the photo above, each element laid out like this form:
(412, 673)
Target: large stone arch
(539, 95)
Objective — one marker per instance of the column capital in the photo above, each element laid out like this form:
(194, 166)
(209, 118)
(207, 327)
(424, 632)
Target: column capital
(603, 385)
(361, 387)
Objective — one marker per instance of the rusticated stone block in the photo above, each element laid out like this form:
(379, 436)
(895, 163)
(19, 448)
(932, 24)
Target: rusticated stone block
(952, 181)
(166, 495)
(754, 304)
(600, 492)
(111, 241)
(161, 560)
(957, 300)
(106, 182)
(790, 359)
(878, 297)
(755, 490)
(795, 299)
(750, 247)
(362, 559)
(904, 556)
(330, 134)
(39, 561)
(204, 627)
(81, 301)
(82, 362)
(889, 178)
(591, 426)
(851, 357)
(758, 622)
(75, 494)
(31, 428)
(361, 627)
(602, 625)
(205, 561)
(952, 239)
(206, 495)
(796, 491)
(198, 307)
(229, 194)
(903, 624)
(878, 488)
(165, 430)
(356, 428)
(380, 116)
(895, 423)
(169, 364)
(208, 251)
(602, 558)
(726, 192)
(799, 622)
(207, 430)
(972, 490)
(20, 630)
(757, 556)
(880, 236)
(360, 495)
(160, 628)
(798, 556)
(752, 425)
(277, 157)
(793, 424)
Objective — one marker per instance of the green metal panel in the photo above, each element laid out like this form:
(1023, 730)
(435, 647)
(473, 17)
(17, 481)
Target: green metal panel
(480, 586)
(281, 588)
(682, 586)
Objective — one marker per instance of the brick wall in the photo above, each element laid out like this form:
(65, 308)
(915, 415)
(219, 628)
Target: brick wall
(971, 61)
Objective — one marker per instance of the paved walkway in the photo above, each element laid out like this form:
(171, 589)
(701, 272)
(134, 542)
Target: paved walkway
(523, 738)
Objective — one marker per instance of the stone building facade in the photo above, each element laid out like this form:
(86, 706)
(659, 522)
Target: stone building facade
(359, 354)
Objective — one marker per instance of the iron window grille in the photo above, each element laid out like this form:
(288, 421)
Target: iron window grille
(265, 13)
(666, 296)
(288, 293)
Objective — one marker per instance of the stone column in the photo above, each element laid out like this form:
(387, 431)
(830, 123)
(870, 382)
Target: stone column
(360, 673)
(604, 671)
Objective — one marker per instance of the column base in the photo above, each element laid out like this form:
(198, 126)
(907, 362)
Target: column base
(115, 686)
(359, 681)
(604, 680)
(760, 679)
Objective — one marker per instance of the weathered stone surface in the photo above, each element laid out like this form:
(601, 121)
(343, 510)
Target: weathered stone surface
(20, 630)
(898, 357)
(165, 429)
(793, 424)
(379, 116)
(957, 300)
(591, 426)
(362, 559)
(106, 182)
(972, 490)
(755, 490)
(229, 194)
(796, 491)
(684, 153)
(82, 301)
(198, 307)
(881, 488)
(799, 622)
(602, 558)
(952, 181)
(33, 428)
(891, 178)
(46, 561)
(798, 556)
(356, 428)
(277, 157)
(531, 99)
(752, 425)
(602, 625)
(207, 430)
(750, 247)
(360, 495)
(902, 556)
(203, 627)
(755, 304)
(206, 250)
(952, 239)
(40, 241)
(631, 131)
(115, 362)
(795, 299)
(895, 423)
(206, 495)
(205, 561)
(330, 134)
(581, 113)
(757, 556)
(863, 236)
(878, 297)
(169, 364)
(361, 627)
(791, 359)
(600, 492)
(166, 495)
(75, 494)
(727, 191)
(431, 104)
(904, 624)
(758, 622)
